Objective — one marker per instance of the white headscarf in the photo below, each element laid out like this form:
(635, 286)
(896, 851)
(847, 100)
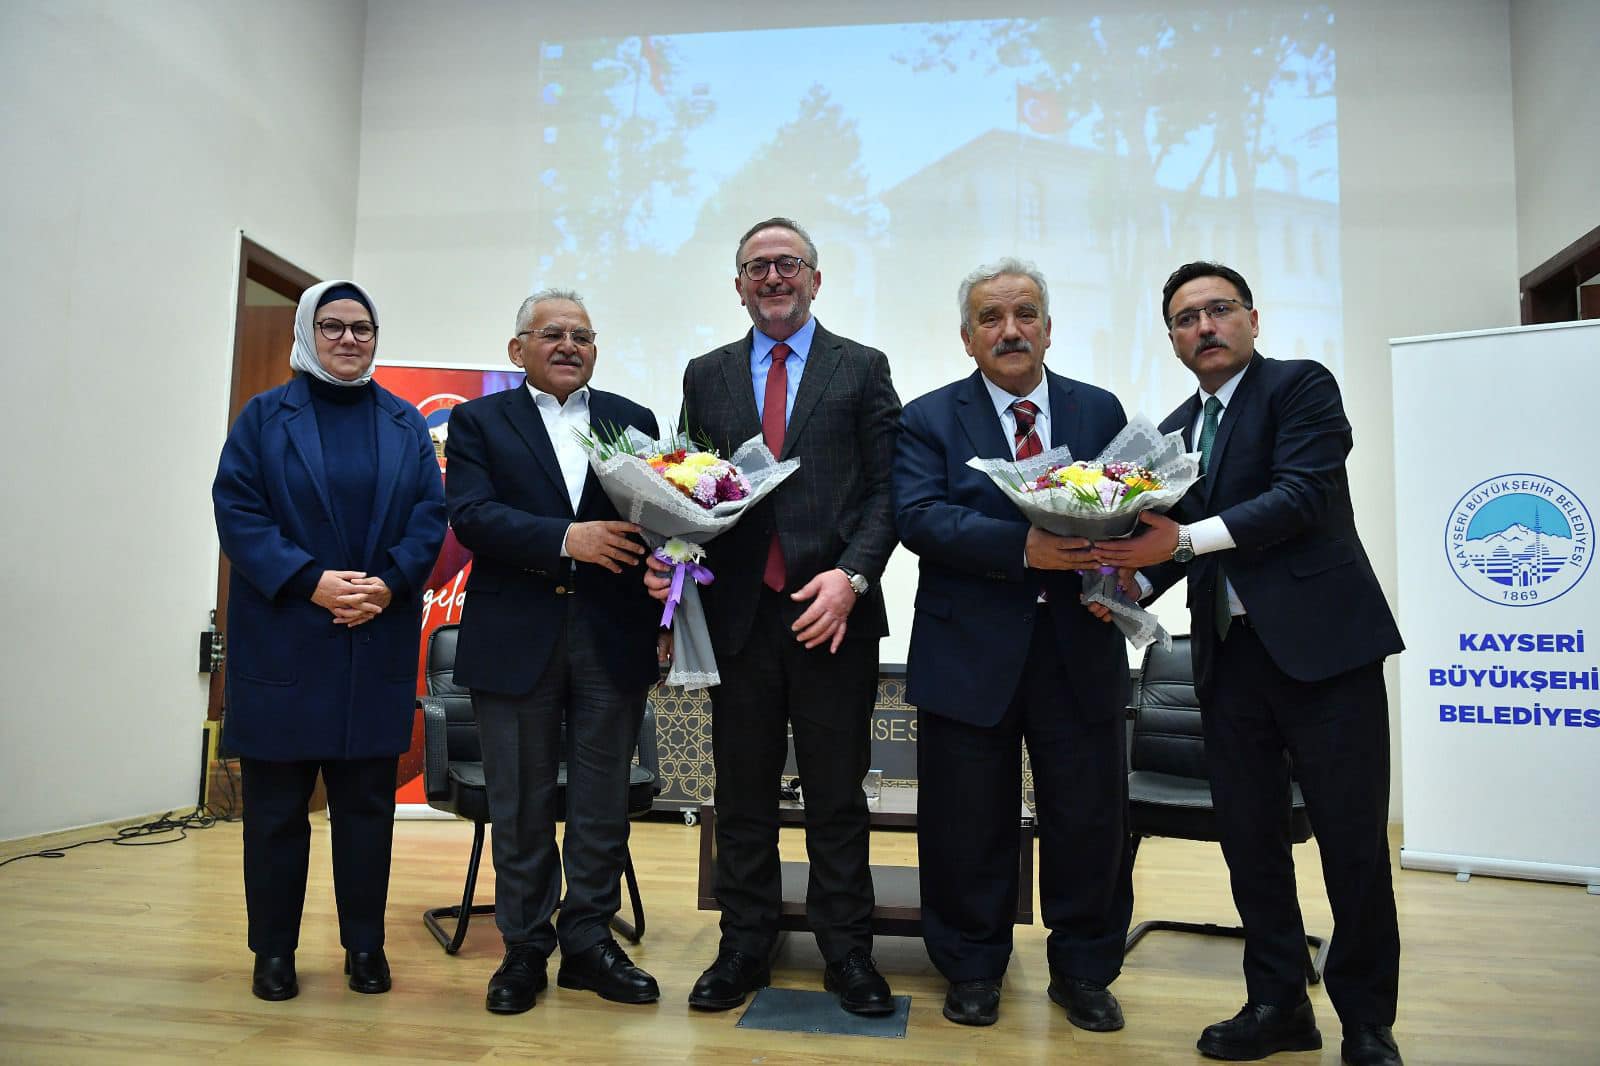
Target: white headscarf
(303, 356)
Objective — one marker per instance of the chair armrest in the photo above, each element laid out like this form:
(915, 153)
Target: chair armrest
(436, 748)
(649, 757)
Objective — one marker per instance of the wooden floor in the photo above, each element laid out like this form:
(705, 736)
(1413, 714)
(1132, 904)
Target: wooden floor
(137, 955)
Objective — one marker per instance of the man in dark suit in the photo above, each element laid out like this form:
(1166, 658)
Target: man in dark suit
(555, 625)
(1290, 630)
(1001, 651)
(795, 617)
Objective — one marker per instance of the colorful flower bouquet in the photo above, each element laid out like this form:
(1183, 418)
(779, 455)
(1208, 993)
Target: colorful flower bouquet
(683, 495)
(1100, 499)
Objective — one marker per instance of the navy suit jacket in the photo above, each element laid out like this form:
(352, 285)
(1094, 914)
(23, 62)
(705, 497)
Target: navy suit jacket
(976, 604)
(298, 685)
(833, 511)
(509, 505)
(1278, 480)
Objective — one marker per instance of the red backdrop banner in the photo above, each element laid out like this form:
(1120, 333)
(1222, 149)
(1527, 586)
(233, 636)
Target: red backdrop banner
(435, 390)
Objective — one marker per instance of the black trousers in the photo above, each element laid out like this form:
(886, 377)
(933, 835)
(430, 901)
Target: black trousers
(969, 799)
(277, 847)
(1335, 733)
(521, 737)
(772, 685)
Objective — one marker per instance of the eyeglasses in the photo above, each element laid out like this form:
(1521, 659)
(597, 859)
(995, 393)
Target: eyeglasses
(333, 329)
(786, 265)
(582, 338)
(1218, 310)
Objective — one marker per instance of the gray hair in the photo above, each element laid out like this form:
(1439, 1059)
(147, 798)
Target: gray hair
(525, 312)
(1011, 266)
(777, 222)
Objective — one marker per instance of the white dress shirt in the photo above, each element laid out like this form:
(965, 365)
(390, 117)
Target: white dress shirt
(563, 422)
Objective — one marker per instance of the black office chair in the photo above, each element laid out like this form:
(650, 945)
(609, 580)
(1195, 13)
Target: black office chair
(1169, 792)
(453, 779)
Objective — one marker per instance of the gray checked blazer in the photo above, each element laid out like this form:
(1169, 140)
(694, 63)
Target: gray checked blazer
(835, 510)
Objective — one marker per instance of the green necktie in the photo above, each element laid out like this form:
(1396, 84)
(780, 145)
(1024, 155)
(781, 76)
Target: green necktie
(1222, 615)
(1208, 432)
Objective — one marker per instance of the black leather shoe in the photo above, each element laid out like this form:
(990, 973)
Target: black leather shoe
(274, 977)
(1259, 1030)
(727, 982)
(368, 970)
(518, 981)
(1366, 1044)
(607, 970)
(1089, 1005)
(860, 987)
(973, 1002)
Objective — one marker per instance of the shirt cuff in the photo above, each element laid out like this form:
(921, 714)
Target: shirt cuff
(1210, 535)
(1145, 588)
(564, 553)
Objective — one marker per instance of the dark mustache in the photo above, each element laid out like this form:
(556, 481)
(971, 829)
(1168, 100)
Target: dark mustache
(1020, 344)
(1208, 343)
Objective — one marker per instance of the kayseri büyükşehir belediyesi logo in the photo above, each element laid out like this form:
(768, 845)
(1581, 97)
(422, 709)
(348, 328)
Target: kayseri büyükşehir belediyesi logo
(1519, 539)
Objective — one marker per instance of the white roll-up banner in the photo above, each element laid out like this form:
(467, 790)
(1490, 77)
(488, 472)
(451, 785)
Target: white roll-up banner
(1497, 485)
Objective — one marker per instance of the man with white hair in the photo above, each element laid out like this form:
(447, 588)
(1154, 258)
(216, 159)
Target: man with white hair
(1003, 651)
(556, 626)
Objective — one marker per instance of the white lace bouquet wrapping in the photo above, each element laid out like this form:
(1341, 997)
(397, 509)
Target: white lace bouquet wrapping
(682, 497)
(1100, 499)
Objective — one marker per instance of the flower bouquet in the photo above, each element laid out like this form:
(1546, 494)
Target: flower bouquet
(683, 495)
(1100, 499)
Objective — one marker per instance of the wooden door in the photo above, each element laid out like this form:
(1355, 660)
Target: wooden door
(269, 289)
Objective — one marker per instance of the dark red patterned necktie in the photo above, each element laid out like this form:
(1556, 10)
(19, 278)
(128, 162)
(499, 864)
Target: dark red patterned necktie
(1027, 441)
(773, 410)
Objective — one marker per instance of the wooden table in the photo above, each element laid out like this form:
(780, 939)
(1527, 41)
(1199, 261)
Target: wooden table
(897, 909)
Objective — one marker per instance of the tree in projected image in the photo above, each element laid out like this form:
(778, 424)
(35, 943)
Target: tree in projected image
(1181, 109)
(615, 117)
(811, 166)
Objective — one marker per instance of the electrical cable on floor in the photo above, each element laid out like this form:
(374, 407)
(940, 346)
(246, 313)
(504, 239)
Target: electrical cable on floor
(134, 835)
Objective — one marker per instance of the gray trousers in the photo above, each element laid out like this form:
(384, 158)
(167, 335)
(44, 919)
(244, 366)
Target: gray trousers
(524, 748)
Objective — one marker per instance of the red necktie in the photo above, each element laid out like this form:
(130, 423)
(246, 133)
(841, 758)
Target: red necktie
(1027, 441)
(773, 410)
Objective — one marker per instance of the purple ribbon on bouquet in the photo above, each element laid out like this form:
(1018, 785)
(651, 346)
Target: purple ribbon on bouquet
(696, 572)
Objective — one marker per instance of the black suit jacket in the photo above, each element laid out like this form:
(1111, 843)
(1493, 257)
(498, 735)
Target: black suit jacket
(976, 604)
(508, 503)
(834, 510)
(1278, 480)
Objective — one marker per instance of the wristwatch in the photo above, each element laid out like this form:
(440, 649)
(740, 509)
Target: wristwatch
(858, 582)
(1184, 552)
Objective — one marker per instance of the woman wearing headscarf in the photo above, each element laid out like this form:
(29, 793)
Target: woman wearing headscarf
(330, 508)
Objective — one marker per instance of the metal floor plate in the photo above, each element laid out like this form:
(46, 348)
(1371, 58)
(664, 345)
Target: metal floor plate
(793, 1010)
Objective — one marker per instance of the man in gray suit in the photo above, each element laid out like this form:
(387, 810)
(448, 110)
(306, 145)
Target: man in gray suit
(795, 617)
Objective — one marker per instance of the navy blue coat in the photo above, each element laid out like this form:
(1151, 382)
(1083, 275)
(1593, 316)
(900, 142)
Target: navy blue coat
(299, 685)
(975, 601)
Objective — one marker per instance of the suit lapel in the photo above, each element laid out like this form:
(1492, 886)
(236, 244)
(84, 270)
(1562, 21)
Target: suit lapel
(975, 411)
(525, 419)
(1239, 407)
(1066, 419)
(394, 448)
(301, 425)
(735, 363)
(821, 362)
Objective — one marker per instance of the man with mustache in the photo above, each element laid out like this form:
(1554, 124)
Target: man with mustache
(795, 616)
(1289, 632)
(1003, 651)
(555, 627)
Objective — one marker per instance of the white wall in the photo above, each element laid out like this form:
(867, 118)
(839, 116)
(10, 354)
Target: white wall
(138, 139)
(1553, 49)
